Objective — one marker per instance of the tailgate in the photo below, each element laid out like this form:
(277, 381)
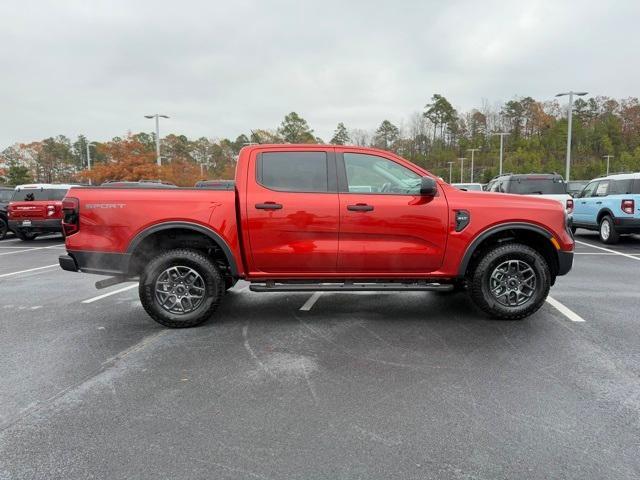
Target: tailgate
(31, 210)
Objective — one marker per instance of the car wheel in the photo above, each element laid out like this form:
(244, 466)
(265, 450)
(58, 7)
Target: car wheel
(607, 231)
(4, 228)
(26, 236)
(181, 288)
(510, 282)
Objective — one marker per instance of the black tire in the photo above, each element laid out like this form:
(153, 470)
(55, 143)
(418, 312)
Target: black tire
(573, 230)
(481, 279)
(210, 280)
(4, 228)
(26, 236)
(607, 231)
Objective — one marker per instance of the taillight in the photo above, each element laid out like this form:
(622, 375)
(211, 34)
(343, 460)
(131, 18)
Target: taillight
(51, 210)
(570, 205)
(628, 206)
(71, 215)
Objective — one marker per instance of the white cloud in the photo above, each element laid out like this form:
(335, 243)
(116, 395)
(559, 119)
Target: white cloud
(223, 68)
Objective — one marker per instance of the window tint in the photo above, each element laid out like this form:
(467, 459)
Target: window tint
(621, 187)
(38, 194)
(602, 190)
(294, 171)
(540, 186)
(5, 195)
(589, 190)
(373, 174)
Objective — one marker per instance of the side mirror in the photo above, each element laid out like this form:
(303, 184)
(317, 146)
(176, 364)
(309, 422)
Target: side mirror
(428, 187)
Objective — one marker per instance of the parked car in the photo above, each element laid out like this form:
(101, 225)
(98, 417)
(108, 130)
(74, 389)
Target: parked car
(36, 209)
(610, 205)
(216, 184)
(551, 186)
(5, 197)
(293, 222)
(468, 186)
(574, 187)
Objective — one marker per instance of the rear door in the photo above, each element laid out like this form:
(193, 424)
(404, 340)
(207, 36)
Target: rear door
(292, 211)
(386, 227)
(584, 207)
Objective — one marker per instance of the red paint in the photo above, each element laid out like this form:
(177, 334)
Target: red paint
(315, 235)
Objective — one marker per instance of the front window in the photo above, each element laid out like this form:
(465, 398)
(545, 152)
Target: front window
(373, 174)
(589, 190)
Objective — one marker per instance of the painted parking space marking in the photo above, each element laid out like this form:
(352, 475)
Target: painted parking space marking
(566, 311)
(608, 250)
(105, 295)
(28, 250)
(308, 305)
(28, 270)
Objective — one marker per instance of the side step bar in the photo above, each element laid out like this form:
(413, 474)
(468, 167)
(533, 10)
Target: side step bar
(351, 287)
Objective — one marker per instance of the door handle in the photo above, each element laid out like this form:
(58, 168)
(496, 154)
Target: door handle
(360, 207)
(268, 206)
(598, 203)
(583, 203)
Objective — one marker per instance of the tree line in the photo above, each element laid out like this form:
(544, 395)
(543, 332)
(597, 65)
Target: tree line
(432, 137)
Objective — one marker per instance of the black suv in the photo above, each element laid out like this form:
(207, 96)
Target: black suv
(5, 197)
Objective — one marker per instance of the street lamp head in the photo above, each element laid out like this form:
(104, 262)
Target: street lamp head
(562, 94)
(149, 116)
(580, 94)
(163, 116)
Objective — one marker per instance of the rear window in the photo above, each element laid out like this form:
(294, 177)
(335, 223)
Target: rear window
(5, 195)
(294, 171)
(537, 186)
(38, 194)
(623, 187)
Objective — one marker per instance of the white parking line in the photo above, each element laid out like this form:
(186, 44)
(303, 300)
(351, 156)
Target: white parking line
(28, 250)
(29, 270)
(608, 250)
(566, 311)
(105, 295)
(308, 305)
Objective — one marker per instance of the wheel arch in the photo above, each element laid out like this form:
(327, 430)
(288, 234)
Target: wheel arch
(603, 213)
(195, 228)
(533, 235)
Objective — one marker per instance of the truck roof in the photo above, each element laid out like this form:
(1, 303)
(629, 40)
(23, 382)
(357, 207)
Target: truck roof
(45, 186)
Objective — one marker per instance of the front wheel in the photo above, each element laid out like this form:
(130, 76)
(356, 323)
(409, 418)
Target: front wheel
(608, 232)
(181, 288)
(511, 282)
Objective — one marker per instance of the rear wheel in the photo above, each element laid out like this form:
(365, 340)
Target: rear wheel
(607, 231)
(4, 228)
(511, 282)
(26, 236)
(181, 288)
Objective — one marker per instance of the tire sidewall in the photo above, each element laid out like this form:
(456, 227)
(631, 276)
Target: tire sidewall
(496, 257)
(613, 237)
(202, 266)
(4, 228)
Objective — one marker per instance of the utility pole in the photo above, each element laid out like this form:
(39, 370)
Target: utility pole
(462, 159)
(502, 135)
(472, 150)
(89, 144)
(569, 117)
(450, 170)
(157, 116)
(608, 157)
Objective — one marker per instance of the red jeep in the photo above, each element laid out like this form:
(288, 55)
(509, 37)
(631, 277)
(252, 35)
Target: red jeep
(318, 218)
(36, 209)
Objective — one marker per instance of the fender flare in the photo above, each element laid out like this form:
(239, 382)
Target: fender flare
(496, 229)
(195, 227)
(602, 213)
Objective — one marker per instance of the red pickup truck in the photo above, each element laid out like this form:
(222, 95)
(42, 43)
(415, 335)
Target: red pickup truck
(318, 218)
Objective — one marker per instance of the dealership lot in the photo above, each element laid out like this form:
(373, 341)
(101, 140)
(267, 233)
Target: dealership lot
(337, 385)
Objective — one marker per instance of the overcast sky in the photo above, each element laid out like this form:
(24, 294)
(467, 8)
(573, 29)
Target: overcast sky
(221, 68)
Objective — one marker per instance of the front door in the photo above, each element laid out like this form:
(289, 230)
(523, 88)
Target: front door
(292, 212)
(386, 227)
(584, 208)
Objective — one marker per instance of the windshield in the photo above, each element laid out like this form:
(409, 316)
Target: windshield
(537, 186)
(38, 194)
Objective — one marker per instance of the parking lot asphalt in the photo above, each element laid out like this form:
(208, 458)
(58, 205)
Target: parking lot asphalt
(338, 385)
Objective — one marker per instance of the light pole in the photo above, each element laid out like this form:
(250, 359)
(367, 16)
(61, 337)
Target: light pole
(569, 115)
(450, 170)
(608, 157)
(502, 135)
(89, 144)
(472, 150)
(157, 117)
(462, 159)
